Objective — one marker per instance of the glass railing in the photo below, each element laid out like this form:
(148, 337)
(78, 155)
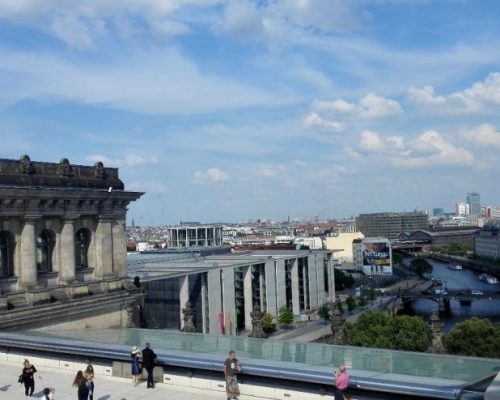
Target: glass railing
(455, 368)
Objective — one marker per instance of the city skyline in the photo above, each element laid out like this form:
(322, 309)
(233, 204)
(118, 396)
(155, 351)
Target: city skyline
(236, 110)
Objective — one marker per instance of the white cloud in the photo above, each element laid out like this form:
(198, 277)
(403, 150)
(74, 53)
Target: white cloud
(484, 135)
(130, 160)
(370, 141)
(481, 97)
(313, 120)
(80, 24)
(429, 149)
(211, 175)
(134, 159)
(369, 106)
(285, 20)
(150, 187)
(107, 161)
(272, 170)
(147, 80)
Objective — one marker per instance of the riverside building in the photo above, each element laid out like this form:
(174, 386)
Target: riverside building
(390, 225)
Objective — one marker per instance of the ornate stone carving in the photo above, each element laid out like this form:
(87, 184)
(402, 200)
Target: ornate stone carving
(188, 314)
(257, 330)
(26, 165)
(99, 171)
(64, 168)
(437, 334)
(337, 322)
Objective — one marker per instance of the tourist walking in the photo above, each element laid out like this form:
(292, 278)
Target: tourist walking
(341, 383)
(135, 356)
(28, 377)
(81, 384)
(48, 393)
(148, 360)
(88, 374)
(231, 367)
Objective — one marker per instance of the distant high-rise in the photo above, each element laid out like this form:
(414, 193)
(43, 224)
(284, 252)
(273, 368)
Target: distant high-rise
(437, 212)
(462, 209)
(474, 201)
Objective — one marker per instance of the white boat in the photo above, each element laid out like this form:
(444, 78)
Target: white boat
(456, 267)
(492, 280)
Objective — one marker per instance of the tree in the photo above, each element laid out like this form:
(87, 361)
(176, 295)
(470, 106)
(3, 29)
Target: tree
(343, 280)
(474, 337)
(351, 303)
(268, 324)
(324, 312)
(421, 266)
(379, 330)
(285, 316)
(397, 258)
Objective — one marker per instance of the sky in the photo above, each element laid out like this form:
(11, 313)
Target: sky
(231, 110)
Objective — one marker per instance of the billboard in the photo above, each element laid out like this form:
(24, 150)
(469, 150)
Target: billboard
(376, 255)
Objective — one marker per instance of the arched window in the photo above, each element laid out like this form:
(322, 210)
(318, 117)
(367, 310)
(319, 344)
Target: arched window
(82, 242)
(44, 248)
(7, 244)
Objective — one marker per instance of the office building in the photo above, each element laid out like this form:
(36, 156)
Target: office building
(390, 225)
(372, 256)
(462, 208)
(487, 241)
(437, 212)
(194, 236)
(341, 244)
(474, 201)
(224, 288)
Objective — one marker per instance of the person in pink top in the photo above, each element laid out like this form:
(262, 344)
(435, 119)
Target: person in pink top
(341, 383)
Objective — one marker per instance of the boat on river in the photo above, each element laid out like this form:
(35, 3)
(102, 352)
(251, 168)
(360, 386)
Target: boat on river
(456, 267)
(492, 280)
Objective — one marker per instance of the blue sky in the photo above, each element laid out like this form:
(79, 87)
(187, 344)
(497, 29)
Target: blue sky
(229, 110)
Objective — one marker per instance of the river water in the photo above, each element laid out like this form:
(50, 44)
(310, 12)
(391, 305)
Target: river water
(455, 280)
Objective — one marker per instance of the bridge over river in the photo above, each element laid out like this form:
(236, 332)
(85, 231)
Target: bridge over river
(443, 297)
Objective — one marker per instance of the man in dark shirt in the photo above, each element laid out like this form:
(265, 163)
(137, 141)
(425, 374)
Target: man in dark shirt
(231, 367)
(148, 360)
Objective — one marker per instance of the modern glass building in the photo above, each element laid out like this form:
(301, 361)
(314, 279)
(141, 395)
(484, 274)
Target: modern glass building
(474, 201)
(224, 288)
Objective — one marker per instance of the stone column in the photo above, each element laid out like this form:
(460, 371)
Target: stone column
(28, 276)
(67, 263)
(183, 296)
(119, 250)
(103, 249)
(295, 288)
(247, 293)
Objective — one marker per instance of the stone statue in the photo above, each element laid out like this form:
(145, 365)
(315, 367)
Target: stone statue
(257, 330)
(27, 165)
(337, 322)
(99, 171)
(437, 334)
(188, 314)
(64, 168)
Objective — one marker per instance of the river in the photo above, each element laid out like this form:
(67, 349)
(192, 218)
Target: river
(461, 279)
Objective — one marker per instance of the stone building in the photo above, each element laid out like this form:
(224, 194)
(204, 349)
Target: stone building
(62, 242)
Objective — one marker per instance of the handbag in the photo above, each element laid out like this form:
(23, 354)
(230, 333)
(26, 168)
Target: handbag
(21, 378)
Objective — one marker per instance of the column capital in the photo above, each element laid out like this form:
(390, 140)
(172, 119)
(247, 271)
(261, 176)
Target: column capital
(70, 218)
(31, 218)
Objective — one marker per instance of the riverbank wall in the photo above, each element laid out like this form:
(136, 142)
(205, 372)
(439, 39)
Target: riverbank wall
(476, 265)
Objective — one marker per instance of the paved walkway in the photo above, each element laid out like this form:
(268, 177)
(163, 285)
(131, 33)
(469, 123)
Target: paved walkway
(107, 388)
